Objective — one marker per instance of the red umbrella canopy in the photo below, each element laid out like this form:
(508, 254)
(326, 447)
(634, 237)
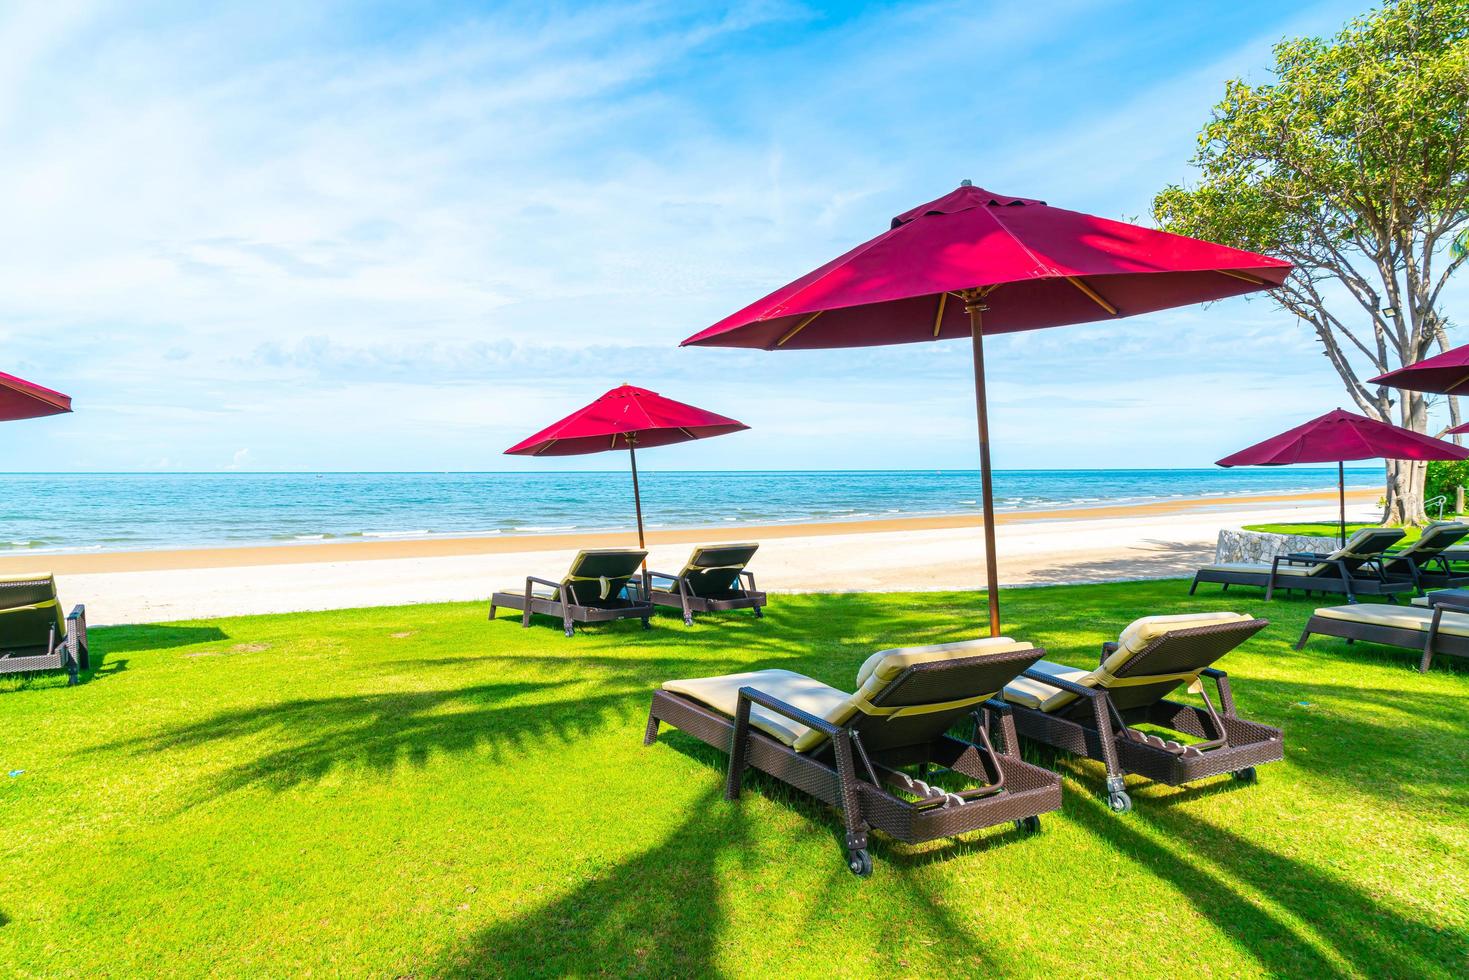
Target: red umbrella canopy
(1458, 429)
(21, 399)
(1338, 436)
(1443, 374)
(1036, 266)
(624, 417)
(974, 263)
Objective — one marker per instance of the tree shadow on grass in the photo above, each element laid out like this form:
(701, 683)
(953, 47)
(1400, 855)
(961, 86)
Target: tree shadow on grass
(1375, 939)
(1271, 941)
(310, 737)
(658, 913)
(135, 639)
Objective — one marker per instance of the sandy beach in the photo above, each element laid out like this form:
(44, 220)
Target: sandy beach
(1153, 540)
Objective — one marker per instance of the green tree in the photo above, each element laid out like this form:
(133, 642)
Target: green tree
(1351, 163)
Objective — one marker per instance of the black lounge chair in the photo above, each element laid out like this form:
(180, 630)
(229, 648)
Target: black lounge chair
(1091, 712)
(714, 579)
(1352, 570)
(850, 750)
(1440, 625)
(34, 636)
(594, 590)
(1426, 562)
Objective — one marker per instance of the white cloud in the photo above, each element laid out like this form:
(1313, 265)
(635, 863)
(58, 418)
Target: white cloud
(268, 227)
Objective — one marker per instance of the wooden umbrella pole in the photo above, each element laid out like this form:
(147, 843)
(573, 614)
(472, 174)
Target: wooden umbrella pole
(975, 309)
(1341, 496)
(637, 501)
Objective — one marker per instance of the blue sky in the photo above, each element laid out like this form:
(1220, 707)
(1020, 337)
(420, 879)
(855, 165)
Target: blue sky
(403, 236)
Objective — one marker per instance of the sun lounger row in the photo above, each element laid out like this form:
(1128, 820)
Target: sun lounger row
(606, 584)
(886, 755)
(1363, 566)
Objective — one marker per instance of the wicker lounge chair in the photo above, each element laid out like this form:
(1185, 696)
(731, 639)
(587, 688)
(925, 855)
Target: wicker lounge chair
(594, 590)
(849, 749)
(1352, 570)
(1440, 625)
(34, 636)
(1426, 562)
(1090, 712)
(714, 579)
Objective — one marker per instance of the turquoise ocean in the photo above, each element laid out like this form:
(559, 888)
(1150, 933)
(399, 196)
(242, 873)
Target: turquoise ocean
(47, 513)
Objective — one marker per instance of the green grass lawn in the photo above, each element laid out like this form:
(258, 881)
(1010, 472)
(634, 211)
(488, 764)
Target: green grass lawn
(417, 792)
(1331, 529)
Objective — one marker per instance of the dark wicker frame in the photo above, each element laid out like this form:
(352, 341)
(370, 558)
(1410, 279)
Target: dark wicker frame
(1348, 581)
(1097, 724)
(681, 596)
(1430, 641)
(850, 769)
(570, 613)
(68, 651)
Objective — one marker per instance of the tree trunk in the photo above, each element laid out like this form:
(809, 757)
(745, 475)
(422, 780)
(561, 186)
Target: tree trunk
(1405, 492)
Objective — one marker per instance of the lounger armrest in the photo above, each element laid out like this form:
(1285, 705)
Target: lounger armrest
(1304, 557)
(749, 578)
(672, 579)
(1063, 685)
(792, 712)
(76, 635)
(1456, 603)
(532, 580)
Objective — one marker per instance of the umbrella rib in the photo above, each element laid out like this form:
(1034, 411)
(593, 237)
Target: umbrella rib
(548, 445)
(798, 328)
(938, 318)
(1242, 275)
(1092, 294)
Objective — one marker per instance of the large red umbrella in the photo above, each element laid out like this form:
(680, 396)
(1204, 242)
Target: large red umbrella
(625, 418)
(973, 263)
(1441, 374)
(21, 399)
(1338, 436)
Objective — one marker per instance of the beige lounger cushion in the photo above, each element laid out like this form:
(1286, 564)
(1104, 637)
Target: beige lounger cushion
(536, 591)
(1400, 617)
(837, 707)
(1241, 566)
(1033, 694)
(723, 695)
(1133, 640)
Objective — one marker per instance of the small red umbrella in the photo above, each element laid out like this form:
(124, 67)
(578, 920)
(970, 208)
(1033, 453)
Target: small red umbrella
(973, 263)
(625, 418)
(1441, 374)
(1338, 436)
(21, 399)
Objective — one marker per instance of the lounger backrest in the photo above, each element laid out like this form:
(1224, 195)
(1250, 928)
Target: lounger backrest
(1156, 655)
(912, 695)
(29, 612)
(716, 568)
(1366, 544)
(598, 575)
(1434, 540)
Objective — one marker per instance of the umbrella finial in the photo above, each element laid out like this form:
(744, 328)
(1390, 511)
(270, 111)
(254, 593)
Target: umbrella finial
(966, 182)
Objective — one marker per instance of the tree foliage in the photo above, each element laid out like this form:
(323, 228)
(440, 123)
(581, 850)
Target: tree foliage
(1351, 163)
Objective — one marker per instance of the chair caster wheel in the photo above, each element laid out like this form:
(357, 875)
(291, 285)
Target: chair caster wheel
(1246, 775)
(859, 862)
(1120, 802)
(1031, 825)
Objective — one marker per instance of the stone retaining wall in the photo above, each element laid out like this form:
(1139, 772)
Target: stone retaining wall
(1259, 546)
